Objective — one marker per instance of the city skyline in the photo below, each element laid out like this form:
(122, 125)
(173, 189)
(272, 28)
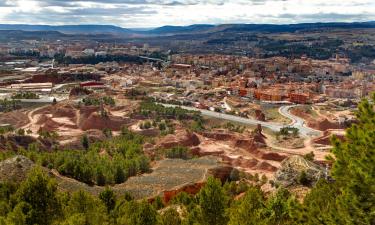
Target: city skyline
(156, 13)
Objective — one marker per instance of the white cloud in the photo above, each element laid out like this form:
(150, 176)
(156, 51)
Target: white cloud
(152, 13)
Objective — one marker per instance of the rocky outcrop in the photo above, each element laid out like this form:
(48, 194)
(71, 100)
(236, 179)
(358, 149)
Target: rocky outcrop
(180, 138)
(289, 173)
(96, 121)
(218, 135)
(259, 115)
(323, 124)
(15, 169)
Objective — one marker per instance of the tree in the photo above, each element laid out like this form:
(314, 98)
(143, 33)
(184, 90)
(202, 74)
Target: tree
(213, 202)
(158, 203)
(303, 179)
(100, 178)
(39, 192)
(248, 211)
(107, 132)
(17, 216)
(86, 209)
(120, 176)
(108, 197)
(354, 168)
(54, 102)
(319, 204)
(85, 142)
(170, 217)
(281, 208)
(137, 213)
(21, 132)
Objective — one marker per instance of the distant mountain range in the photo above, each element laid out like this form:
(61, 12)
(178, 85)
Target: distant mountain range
(192, 29)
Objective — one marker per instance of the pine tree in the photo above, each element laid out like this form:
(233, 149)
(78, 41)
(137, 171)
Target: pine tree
(108, 197)
(213, 202)
(39, 193)
(354, 169)
(85, 142)
(248, 211)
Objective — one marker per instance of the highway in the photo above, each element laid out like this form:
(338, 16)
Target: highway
(284, 110)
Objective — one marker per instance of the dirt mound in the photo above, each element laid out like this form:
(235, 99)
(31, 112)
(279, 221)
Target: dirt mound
(317, 123)
(15, 169)
(86, 111)
(180, 138)
(49, 125)
(244, 163)
(16, 119)
(323, 124)
(42, 119)
(96, 121)
(245, 144)
(266, 167)
(326, 138)
(64, 111)
(218, 135)
(292, 168)
(271, 156)
(95, 135)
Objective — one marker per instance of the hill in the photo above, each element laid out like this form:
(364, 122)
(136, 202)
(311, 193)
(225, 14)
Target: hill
(68, 29)
(191, 29)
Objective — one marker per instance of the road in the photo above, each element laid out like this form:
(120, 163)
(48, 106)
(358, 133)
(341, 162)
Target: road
(284, 110)
(297, 122)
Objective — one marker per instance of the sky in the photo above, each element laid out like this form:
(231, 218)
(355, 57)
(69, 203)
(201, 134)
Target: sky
(155, 13)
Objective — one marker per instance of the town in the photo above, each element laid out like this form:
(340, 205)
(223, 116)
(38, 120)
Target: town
(154, 122)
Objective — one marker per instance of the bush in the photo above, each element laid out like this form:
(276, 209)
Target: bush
(303, 179)
(178, 152)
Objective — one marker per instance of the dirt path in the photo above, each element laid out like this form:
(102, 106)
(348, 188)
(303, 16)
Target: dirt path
(33, 121)
(309, 147)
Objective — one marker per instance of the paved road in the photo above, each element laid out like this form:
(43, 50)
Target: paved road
(297, 123)
(284, 110)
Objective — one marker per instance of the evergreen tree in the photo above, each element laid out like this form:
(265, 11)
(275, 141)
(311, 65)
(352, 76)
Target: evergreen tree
(137, 213)
(319, 204)
(85, 142)
(354, 169)
(86, 209)
(249, 210)
(39, 193)
(120, 176)
(170, 217)
(213, 202)
(108, 197)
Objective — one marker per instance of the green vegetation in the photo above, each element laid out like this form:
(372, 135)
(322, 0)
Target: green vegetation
(25, 95)
(9, 105)
(234, 128)
(123, 158)
(6, 129)
(106, 100)
(151, 109)
(178, 152)
(96, 59)
(346, 199)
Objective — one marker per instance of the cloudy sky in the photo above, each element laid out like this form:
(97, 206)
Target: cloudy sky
(154, 13)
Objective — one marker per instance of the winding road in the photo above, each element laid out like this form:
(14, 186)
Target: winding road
(284, 110)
